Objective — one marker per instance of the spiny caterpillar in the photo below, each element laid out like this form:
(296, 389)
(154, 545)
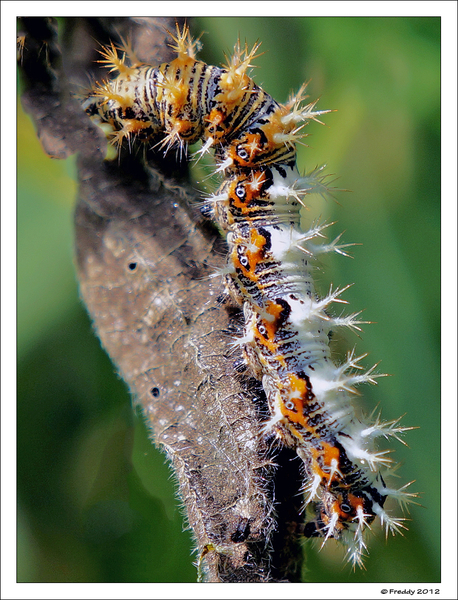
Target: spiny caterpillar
(269, 275)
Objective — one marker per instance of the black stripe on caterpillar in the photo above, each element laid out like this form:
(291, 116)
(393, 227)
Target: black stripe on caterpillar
(270, 269)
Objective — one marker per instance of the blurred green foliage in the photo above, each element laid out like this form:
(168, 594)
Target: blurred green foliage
(96, 501)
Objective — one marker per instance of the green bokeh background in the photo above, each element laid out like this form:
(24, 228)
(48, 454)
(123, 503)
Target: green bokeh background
(96, 501)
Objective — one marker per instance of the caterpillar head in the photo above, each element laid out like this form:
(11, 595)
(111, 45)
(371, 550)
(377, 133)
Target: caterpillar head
(343, 516)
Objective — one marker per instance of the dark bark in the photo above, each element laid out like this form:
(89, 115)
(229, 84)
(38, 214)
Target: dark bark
(143, 262)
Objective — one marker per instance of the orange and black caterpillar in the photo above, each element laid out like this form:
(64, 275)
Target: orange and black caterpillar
(287, 324)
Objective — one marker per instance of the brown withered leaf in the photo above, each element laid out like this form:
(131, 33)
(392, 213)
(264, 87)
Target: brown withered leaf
(144, 262)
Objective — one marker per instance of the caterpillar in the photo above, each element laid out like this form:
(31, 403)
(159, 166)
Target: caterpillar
(270, 267)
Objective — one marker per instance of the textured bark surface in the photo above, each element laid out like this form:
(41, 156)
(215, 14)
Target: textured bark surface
(144, 261)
